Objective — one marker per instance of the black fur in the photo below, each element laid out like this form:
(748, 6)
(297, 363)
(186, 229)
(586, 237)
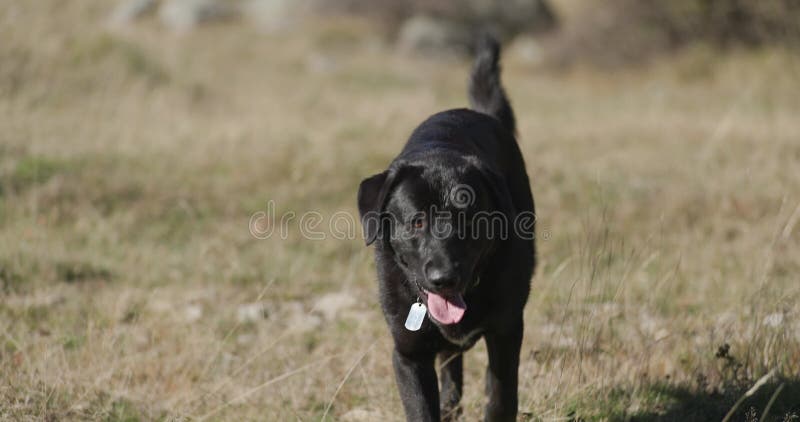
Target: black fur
(475, 148)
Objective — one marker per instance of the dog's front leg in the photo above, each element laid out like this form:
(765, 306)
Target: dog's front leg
(503, 345)
(416, 380)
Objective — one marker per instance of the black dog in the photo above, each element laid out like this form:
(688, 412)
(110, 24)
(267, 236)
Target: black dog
(452, 221)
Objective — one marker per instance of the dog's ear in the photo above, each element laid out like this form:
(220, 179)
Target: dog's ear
(372, 196)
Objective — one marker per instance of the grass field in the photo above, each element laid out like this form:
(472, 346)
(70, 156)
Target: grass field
(131, 162)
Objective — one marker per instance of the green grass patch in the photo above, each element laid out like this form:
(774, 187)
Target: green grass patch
(664, 401)
(31, 171)
(688, 403)
(73, 342)
(80, 271)
(10, 279)
(122, 411)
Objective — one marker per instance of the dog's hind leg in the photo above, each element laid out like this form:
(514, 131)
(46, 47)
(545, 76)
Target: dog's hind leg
(451, 376)
(503, 345)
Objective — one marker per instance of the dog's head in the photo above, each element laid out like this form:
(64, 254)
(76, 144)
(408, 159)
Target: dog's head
(440, 218)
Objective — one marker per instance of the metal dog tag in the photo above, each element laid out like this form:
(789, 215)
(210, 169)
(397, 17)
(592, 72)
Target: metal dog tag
(415, 316)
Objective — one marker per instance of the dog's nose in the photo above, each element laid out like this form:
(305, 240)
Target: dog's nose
(440, 276)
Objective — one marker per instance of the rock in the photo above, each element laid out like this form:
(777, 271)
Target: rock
(361, 414)
(245, 339)
(428, 34)
(129, 10)
(648, 323)
(303, 323)
(193, 313)
(661, 334)
(774, 320)
(516, 16)
(526, 48)
(274, 15)
(183, 15)
(511, 17)
(297, 319)
(450, 25)
(332, 304)
(251, 312)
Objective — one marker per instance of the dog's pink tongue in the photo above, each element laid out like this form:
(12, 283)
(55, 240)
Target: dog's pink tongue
(446, 310)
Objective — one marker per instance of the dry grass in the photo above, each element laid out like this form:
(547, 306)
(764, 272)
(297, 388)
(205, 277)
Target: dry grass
(130, 163)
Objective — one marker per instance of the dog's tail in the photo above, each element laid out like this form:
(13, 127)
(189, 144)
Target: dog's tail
(486, 93)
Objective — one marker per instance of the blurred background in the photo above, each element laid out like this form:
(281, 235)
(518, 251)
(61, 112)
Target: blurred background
(140, 138)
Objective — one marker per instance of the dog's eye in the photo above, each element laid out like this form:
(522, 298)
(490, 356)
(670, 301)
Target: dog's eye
(418, 222)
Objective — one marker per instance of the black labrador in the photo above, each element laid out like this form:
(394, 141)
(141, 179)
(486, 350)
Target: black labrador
(452, 220)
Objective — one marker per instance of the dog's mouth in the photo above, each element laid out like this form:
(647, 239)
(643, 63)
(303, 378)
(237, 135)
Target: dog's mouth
(446, 309)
